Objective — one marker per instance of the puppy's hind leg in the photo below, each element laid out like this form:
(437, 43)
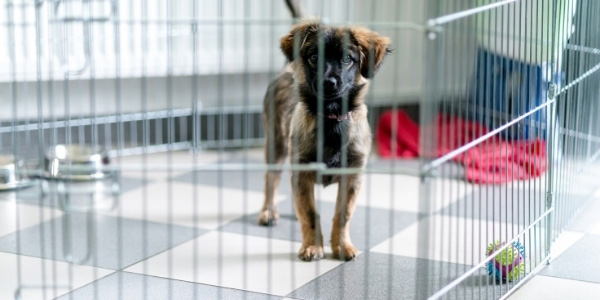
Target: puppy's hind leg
(269, 215)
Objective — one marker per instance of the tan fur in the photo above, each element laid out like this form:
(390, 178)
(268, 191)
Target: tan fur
(291, 130)
(277, 145)
(372, 48)
(348, 189)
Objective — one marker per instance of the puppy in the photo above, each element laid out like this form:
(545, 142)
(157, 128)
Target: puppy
(322, 90)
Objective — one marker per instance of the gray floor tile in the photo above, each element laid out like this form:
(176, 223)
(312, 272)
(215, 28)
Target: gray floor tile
(368, 227)
(580, 262)
(123, 285)
(102, 189)
(118, 242)
(383, 276)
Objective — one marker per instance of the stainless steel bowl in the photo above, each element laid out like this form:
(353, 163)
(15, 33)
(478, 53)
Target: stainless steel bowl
(11, 173)
(75, 162)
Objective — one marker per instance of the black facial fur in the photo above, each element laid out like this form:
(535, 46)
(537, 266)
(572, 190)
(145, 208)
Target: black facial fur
(333, 106)
(340, 66)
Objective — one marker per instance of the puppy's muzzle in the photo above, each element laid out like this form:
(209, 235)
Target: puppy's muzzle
(330, 88)
(339, 118)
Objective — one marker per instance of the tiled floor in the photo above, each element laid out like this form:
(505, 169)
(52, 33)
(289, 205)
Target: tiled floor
(176, 234)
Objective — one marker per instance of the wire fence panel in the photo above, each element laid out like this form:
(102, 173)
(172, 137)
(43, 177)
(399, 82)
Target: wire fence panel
(509, 69)
(203, 149)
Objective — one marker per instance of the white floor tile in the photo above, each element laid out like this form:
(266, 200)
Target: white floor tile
(223, 259)
(28, 215)
(215, 207)
(159, 162)
(455, 239)
(36, 273)
(545, 287)
(399, 192)
(595, 229)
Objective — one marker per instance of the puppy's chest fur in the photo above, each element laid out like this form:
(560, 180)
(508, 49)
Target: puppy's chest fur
(331, 144)
(342, 144)
(335, 138)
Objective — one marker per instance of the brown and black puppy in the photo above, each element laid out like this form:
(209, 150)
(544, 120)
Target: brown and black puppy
(322, 90)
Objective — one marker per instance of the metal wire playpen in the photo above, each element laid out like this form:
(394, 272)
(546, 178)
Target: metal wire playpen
(132, 145)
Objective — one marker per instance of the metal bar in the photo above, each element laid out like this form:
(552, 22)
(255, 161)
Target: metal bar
(221, 137)
(392, 193)
(582, 49)
(91, 234)
(195, 99)
(13, 95)
(145, 138)
(193, 22)
(580, 78)
(120, 128)
(53, 140)
(580, 135)
(258, 22)
(246, 139)
(426, 145)
(40, 140)
(466, 13)
(321, 168)
(127, 117)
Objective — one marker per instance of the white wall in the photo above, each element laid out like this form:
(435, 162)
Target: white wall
(233, 54)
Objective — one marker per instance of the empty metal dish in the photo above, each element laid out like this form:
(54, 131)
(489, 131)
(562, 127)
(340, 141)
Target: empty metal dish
(75, 162)
(11, 173)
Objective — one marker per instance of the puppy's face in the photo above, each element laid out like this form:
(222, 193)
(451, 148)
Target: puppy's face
(333, 60)
(335, 70)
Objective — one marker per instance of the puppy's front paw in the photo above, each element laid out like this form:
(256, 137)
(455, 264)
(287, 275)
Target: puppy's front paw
(268, 217)
(345, 251)
(311, 253)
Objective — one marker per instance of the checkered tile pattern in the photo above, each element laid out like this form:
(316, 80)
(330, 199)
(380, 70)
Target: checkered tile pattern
(182, 235)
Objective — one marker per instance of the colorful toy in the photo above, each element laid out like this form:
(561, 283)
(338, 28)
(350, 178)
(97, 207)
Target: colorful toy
(509, 264)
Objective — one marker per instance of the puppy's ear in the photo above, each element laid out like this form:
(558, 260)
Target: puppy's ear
(373, 49)
(297, 37)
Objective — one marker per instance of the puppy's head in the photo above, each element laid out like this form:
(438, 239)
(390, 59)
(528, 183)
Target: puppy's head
(333, 59)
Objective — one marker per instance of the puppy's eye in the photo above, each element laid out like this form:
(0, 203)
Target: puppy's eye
(313, 58)
(347, 59)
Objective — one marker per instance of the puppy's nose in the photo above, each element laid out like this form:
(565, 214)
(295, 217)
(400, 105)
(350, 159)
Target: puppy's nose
(330, 83)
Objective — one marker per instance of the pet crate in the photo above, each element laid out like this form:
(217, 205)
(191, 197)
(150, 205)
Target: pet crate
(132, 159)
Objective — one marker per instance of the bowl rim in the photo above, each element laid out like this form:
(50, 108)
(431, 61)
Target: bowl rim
(73, 153)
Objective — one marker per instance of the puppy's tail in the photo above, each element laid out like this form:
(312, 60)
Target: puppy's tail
(295, 8)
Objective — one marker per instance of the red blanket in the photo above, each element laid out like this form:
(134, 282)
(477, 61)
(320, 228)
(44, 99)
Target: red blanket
(491, 162)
